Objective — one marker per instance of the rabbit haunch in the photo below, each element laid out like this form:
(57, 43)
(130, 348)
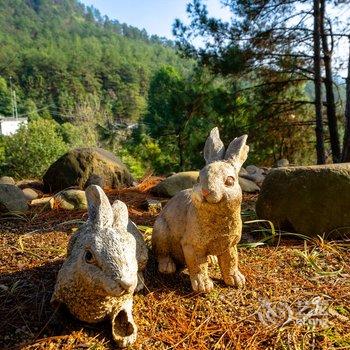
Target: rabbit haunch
(105, 258)
(205, 220)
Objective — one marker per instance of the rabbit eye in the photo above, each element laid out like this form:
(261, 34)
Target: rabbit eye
(89, 257)
(229, 181)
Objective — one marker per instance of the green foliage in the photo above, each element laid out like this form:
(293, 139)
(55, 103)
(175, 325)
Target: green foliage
(83, 135)
(181, 111)
(5, 98)
(93, 76)
(32, 149)
(135, 165)
(2, 151)
(267, 68)
(61, 54)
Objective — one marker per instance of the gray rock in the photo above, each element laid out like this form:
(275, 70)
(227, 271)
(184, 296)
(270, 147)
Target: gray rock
(253, 173)
(248, 186)
(243, 172)
(257, 178)
(30, 194)
(46, 203)
(77, 166)
(12, 199)
(71, 199)
(34, 184)
(312, 200)
(176, 183)
(253, 169)
(7, 180)
(281, 163)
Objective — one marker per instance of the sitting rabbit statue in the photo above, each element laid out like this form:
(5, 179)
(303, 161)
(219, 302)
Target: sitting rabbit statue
(105, 258)
(205, 220)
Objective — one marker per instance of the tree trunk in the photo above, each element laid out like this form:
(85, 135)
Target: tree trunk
(317, 83)
(331, 109)
(346, 147)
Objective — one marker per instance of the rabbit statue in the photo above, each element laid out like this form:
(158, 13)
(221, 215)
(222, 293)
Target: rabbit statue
(206, 220)
(104, 264)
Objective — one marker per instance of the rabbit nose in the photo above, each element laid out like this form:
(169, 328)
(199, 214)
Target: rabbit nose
(127, 285)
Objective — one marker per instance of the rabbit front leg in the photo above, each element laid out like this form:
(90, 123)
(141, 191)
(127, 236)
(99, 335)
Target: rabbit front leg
(197, 264)
(228, 262)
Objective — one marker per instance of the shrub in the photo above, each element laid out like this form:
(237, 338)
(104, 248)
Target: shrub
(83, 135)
(30, 151)
(134, 164)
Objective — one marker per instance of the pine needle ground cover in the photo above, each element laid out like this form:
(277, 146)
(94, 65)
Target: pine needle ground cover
(297, 294)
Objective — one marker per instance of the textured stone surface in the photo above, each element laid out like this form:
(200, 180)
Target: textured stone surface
(248, 185)
(254, 174)
(243, 172)
(34, 184)
(205, 220)
(78, 166)
(46, 203)
(253, 169)
(71, 199)
(104, 264)
(176, 183)
(30, 194)
(12, 199)
(311, 200)
(7, 180)
(281, 163)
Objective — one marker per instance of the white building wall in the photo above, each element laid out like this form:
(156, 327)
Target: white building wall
(9, 126)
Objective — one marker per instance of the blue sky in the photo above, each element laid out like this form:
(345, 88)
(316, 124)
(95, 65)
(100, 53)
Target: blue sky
(156, 16)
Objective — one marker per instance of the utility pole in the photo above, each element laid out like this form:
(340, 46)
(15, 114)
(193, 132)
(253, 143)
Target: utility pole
(14, 101)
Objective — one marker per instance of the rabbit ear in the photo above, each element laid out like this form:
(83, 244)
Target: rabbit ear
(214, 148)
(99, 209)
(121, 215)
(237, 151)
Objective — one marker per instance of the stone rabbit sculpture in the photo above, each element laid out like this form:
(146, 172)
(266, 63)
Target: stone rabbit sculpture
(205, 220)
(105, 258)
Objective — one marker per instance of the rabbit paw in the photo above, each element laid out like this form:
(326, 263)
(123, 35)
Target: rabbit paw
(166, 265)
(201, 283)
(237, 279)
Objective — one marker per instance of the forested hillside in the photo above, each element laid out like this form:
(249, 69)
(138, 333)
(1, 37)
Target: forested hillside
(67, 61)
(83, 79)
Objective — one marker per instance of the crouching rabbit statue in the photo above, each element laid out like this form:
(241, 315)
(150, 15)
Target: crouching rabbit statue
(105, 258)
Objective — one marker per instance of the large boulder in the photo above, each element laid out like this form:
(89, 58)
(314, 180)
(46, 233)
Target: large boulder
(79, 165)
(176, 183)
(312, 200)
(12, 199)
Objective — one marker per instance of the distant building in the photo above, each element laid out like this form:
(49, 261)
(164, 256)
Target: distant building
(9, 125)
